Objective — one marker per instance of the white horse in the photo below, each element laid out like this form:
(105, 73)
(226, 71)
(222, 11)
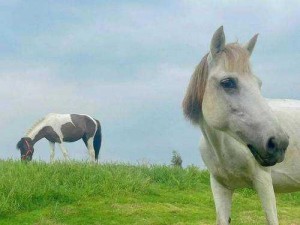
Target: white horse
(248, 141)
(59, 128)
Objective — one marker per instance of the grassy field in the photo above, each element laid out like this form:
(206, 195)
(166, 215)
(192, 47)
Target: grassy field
(79, 193)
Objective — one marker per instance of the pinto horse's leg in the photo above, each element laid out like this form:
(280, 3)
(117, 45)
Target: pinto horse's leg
(264, 187)
(52, 151)
(223, 199)
(64, 151)
(90, 146)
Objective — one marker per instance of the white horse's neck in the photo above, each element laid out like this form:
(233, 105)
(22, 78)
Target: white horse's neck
(226, 150)
(226, 158)
(213, 137)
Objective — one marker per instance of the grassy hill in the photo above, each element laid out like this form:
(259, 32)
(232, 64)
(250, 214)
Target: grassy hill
(80, 193)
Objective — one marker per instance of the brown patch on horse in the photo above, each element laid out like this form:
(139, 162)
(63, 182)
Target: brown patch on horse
(25, 145)
(22, 144)
(71, 133)
(234, 58)
(81, 127)
(49, 133)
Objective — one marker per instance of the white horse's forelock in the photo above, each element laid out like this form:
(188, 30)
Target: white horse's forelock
(234, 57)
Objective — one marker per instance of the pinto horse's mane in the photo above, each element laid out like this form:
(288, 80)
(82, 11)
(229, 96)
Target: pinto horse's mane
(234, 57)
(34, 126)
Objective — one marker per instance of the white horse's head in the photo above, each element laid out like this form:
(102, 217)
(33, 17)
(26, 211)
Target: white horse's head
(225, 93)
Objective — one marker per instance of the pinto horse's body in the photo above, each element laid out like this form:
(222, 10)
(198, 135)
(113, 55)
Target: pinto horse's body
(59, 128)
(248, 141)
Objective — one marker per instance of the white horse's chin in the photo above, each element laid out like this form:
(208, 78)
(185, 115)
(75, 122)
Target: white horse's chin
(268, 161)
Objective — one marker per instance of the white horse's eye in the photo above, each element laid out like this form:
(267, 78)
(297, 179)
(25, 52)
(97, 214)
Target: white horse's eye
(229, 83)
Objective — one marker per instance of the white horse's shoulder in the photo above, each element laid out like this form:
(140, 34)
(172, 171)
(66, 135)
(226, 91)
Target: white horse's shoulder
(284, 104)
(288, 113)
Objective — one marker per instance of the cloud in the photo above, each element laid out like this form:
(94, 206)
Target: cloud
(128, 64)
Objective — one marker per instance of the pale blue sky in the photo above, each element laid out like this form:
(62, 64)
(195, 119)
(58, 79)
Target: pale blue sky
(128, 63)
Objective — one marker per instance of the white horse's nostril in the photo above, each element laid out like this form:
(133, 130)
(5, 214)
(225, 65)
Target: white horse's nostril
(271, 144)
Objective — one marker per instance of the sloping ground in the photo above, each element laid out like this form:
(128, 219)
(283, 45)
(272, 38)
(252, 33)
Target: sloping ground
(80, 193)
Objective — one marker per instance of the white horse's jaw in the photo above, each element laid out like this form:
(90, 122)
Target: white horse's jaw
(273, 156)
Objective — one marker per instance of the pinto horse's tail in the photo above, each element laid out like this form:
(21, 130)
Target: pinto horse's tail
(97, 140)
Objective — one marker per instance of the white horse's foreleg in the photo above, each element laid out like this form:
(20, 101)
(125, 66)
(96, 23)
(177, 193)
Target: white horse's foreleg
(264, 187)
(90, 146)
(223, 199)
(52, 151)
(64, 151)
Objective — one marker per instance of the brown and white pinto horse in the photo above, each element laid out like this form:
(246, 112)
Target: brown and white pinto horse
(59, 128)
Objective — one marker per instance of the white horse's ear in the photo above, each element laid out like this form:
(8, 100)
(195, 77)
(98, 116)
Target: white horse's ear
(251, 44)
(217, 42)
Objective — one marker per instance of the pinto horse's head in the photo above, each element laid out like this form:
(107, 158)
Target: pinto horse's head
(26, 148)
(225, 93)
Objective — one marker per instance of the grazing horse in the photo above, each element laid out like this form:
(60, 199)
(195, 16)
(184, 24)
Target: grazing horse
(248, 141)
(59, 128)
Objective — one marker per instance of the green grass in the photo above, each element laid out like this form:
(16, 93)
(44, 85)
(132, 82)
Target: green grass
(81, 193)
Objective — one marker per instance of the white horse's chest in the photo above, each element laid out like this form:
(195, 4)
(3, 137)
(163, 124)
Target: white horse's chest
(232, 170)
